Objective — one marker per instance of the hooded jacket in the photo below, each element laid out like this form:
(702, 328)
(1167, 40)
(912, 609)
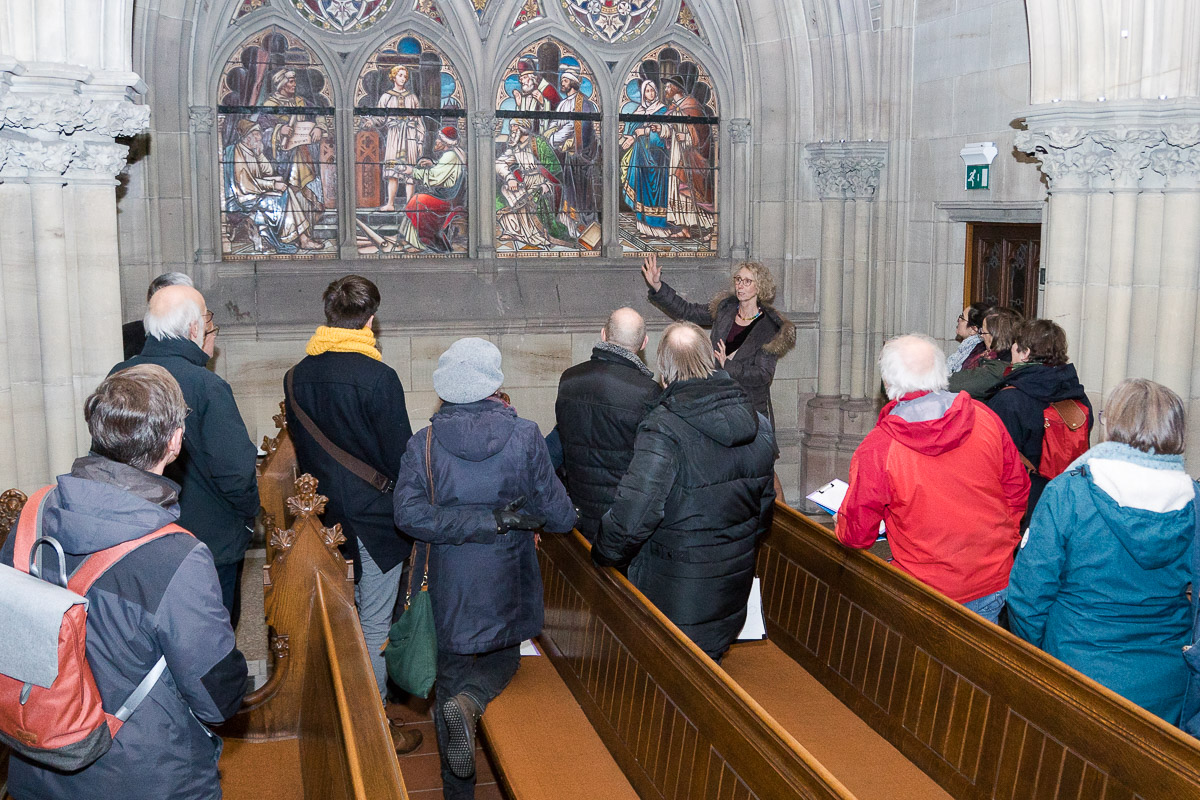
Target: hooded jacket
(600, 403)
(753, 365)
(1100, 581)
(486, 589)
(696, 499)
(941, 473)
(162, 599)
(218, 494)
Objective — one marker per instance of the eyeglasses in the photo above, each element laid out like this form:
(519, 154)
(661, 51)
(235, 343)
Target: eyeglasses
(209, 328)
(738, 280)
(961, 318)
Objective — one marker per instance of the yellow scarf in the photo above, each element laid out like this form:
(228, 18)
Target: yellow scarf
(343, 340)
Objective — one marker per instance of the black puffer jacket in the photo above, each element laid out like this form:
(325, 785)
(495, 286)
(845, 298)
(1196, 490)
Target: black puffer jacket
(358, 403)
(218, 497)
(1033, 387)
(691, 508)
(600, 403)
(753, 365)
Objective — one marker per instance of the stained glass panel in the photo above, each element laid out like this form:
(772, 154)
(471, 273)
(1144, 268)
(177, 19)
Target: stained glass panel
(428, 8)
(480, 7)
(611, 20)
(530, 10)
(669, 167)
(277, 152)
(687, 20)
(342, 16)
(410, 144)
(547, 155)
(244, 7)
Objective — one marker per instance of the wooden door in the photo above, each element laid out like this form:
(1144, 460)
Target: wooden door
(1002, 265)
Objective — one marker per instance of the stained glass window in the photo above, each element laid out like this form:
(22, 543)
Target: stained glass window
(342, 16)
(547, 155)
(428, 8)
(480, 7)
(244, 7)
(410, 144)
(530, 10)
(611, 20)
(687, 20)
(277, 152)
(668, 168)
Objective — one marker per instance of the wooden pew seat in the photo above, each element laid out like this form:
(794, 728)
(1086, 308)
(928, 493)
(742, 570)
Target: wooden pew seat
(863, 760)
(542, 743)
(261, 770)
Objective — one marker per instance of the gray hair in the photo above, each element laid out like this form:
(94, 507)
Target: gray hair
(1146, 415)
(168, 279)
(912, 363)
(175, 321)
(625, 328)
(133, 414)
(684, 353)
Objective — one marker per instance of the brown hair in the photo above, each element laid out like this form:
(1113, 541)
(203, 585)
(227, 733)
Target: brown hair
(1146, 415)
(684, 353)
(763, 279)
(1002, 323)
(350, 302)
(1045, 340)
(133, 414)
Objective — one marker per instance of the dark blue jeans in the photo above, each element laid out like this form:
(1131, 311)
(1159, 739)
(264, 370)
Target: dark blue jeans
(482, 676)
(230, 576)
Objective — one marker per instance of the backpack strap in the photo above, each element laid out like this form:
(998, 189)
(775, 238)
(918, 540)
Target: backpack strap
(1072, 412)
(99, 562)
(29, 528)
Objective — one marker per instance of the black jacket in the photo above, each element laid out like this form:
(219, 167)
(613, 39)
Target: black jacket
(218, 497)
(600, 403)
(753, 365)
(691, 508)
(358, 403)
(162, 599)
(1020, 408)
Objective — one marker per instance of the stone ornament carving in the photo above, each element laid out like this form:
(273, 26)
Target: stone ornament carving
(739, 131)
(201, 119)
(1121, 150)
(484, 123)
(30, 157)
(64, 113)
(847, 170)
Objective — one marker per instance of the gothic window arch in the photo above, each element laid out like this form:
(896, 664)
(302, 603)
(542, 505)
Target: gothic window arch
(548, 155)
(668, 167)
(410, 145)
(277, 144)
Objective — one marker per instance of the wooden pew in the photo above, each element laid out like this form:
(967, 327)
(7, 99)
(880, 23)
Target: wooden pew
(317, 725)
(984, 713)
(277, 474)
(11, 503)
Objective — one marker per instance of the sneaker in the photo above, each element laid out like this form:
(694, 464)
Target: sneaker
(460, 714)
(405, 739)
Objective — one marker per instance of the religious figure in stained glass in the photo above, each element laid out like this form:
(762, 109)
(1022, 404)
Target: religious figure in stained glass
(669, 158)
(277, 152)
(410, 156)
(548, 155)
(611, 21)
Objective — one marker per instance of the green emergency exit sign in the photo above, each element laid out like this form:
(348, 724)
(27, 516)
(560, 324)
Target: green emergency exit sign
(977, 176)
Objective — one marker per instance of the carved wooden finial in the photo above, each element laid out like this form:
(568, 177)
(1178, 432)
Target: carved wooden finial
(279, 645)
(306, 502)
(333, 536)
(270, 445)
(283, 540)
(11, 503)
(280, 419)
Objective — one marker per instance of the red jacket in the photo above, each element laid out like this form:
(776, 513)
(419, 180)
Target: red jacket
(945, 477)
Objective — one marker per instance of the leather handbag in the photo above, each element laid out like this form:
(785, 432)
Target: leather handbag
(411, 649)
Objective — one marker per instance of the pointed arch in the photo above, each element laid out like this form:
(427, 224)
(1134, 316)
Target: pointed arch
(669, 156)
(410, 138)
(548, 154)
(277, 150)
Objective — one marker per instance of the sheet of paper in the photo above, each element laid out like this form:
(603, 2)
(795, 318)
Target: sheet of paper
(528, 648)
(831, 495)
(755, 628)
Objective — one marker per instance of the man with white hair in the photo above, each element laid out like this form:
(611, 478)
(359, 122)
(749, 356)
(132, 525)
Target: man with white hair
(218, 496)
(133, 334)
(942, 473)
(600, 403)
(697, 497)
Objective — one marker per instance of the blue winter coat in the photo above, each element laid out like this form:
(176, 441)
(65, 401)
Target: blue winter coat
(1102, 587)
(486, 588)
(162, 599)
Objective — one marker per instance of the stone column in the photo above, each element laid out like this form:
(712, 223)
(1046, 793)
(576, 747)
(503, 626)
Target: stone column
(847, 178)
(60, 268)
(481, 164)
(201, 120)
(1123, 270)
(739, 230)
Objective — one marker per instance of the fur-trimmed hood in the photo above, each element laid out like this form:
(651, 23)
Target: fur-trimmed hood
(783, 341)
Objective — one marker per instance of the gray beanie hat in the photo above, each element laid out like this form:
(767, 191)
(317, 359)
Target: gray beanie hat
(468, 371)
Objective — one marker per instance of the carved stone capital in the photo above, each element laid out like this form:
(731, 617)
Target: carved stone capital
(68, 113)
(23, 158)
(847, 170)
(485, 124)
(739, 131)
(201, 119)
